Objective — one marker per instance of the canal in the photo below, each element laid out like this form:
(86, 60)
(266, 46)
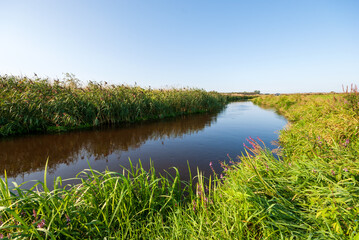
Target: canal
(196, 140)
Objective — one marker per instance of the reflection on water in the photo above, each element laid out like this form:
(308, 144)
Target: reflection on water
(195, 140)
(27, 154)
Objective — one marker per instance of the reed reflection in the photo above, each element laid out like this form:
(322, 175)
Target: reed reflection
(27, 154)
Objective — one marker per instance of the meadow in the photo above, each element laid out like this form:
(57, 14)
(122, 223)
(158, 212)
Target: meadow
(30, 105)
(306, 189)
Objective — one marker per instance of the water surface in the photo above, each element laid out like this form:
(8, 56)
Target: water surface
(196, 139)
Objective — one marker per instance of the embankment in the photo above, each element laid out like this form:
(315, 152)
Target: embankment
(38, 105)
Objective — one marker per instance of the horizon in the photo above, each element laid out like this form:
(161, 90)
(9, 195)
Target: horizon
(82, 84)
(231, 46)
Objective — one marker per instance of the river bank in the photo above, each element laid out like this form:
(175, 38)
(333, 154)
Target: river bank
(39, 105)
(310, 190)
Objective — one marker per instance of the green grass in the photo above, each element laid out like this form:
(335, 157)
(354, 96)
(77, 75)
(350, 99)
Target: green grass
(37, 105)
(133, 205)
(238, 97)
(310, 192)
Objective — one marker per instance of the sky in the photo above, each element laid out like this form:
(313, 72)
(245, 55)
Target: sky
(274, 46)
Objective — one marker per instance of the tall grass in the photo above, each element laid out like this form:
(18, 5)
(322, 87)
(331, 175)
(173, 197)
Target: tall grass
(37, 105)
(239, 97)
(320, 150)
(309, 191)
(134, 204)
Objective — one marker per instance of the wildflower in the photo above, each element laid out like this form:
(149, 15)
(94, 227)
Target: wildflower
(246, 146)
(41, 224)
(333, 173)
(319, 140)
(346, 142)
(68, 220)
(194, 205)
(210, 164)
(289, 164)
(34, 213)
(1, 236)
(252, 142)
(221, 176)
(345, 169)
(199, 190)
(314, 171)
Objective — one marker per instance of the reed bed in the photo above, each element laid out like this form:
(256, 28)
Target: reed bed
(309, 189)
(40, 105)
(239, 97)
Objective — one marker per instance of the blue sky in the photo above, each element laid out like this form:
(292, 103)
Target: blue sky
(271, 46)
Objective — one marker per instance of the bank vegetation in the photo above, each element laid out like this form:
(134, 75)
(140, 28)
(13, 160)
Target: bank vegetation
(308, 189)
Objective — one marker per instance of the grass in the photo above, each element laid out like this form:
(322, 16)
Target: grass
(310, 192)
(39, 105)
(238, 97)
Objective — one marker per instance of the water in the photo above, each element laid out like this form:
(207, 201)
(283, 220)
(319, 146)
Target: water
(196, 140)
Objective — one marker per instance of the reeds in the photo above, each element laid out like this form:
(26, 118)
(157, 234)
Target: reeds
(309, 191)
(36, 105)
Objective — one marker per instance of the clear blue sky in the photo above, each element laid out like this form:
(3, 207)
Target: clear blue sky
(271, 46)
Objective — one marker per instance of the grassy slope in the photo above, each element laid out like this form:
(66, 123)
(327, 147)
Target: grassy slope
(311, 193)
(319, 173)
(36, 105)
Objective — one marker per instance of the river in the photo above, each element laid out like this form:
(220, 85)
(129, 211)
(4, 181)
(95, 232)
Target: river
(196, 140)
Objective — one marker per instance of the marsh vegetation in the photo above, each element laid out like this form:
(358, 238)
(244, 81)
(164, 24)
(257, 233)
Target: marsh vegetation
(40, 105)
(309, 190)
